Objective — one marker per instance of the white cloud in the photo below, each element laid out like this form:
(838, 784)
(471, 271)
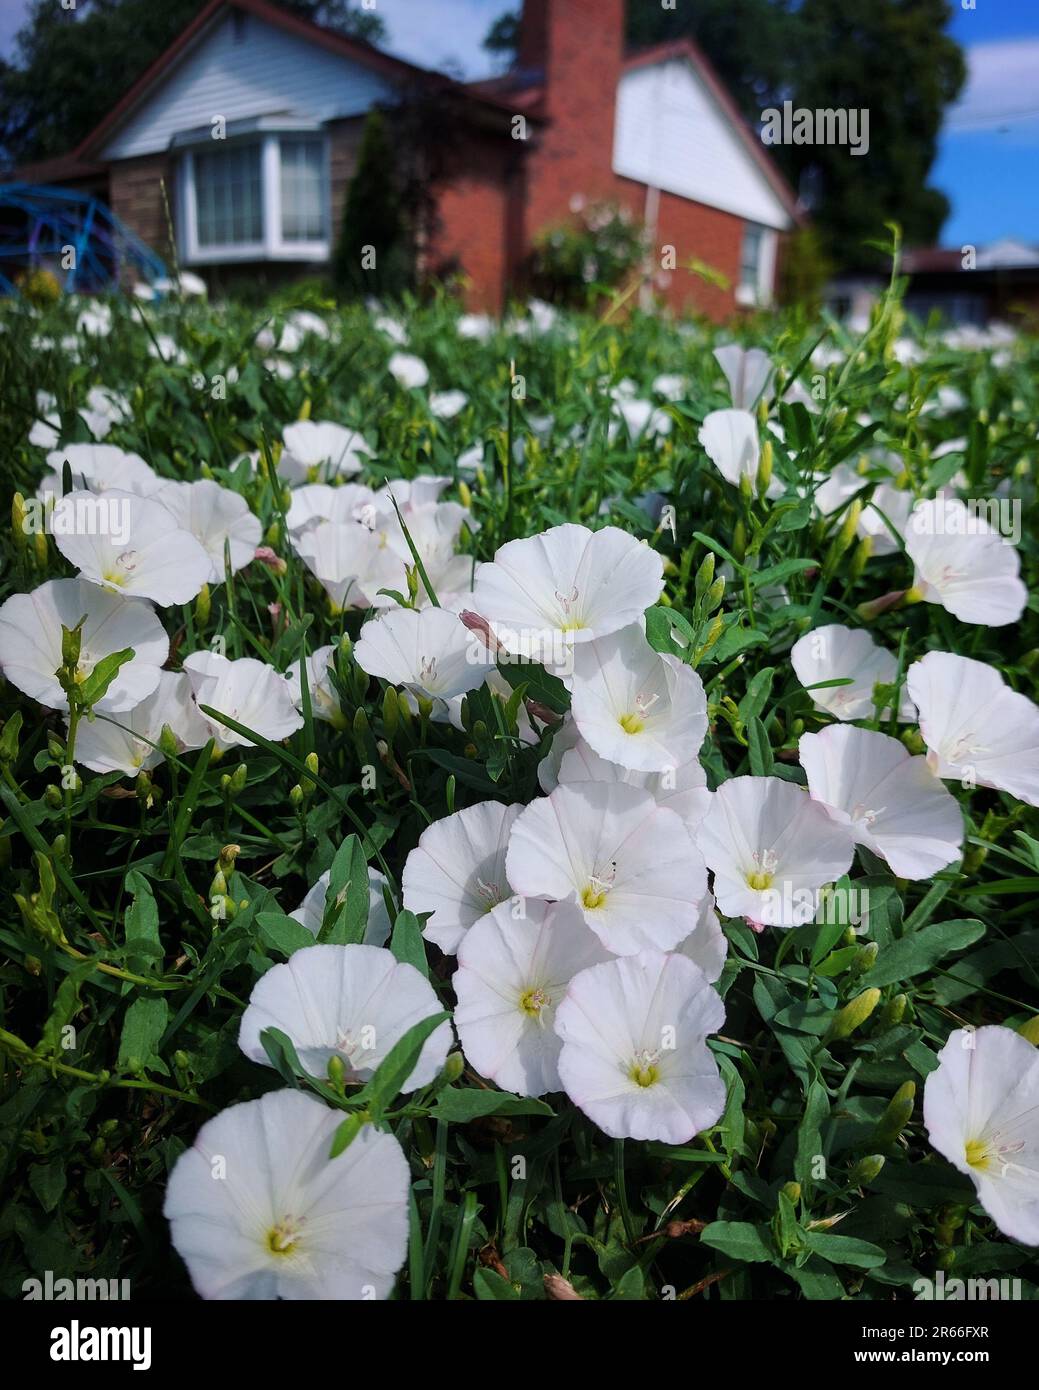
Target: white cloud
(1002, 89)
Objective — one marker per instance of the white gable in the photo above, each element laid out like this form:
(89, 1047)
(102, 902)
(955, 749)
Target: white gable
(671, 133)
(241, 68)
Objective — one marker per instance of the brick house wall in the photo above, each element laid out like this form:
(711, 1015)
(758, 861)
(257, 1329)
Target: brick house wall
(135, 195)
(344, 143)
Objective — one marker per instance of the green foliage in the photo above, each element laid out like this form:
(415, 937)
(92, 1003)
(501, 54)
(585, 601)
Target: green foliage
(580, 261)
(374, 252)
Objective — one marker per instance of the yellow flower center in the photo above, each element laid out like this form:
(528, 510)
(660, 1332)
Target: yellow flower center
(632, 723)
(593, 897)
(281, 1238)
(532, 1001)
(979, 1153)
(644, 1074)
(759, 880)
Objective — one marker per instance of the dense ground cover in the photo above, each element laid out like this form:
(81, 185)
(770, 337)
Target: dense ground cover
(153, 873)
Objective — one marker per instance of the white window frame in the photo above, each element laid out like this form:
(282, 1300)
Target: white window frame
(759, 293)
(272, 246)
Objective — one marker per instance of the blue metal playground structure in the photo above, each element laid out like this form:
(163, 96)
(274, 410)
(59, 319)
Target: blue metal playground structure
(39, 225)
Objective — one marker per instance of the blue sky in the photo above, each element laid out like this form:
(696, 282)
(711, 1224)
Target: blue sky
(989, 150)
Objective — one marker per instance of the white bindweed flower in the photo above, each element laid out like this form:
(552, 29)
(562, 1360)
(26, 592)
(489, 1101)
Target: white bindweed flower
(630, 865)
(981, 1109)
(637, 707)
(476, 326)
(887, 505)
(771, 848)
(314, 502)
(311, 911)
(214, 515)
(99, 468)
(838, 653)
(457, 871)
(730, 440)
(706, 946)
(130, 545)
(324, 698)
(889, 801)
(964, 564)
(635, 1058)
(408, 370)
(340, 556)
(320, 449)
(978, 731)
(512, 973)
(565, 586)
(258, 1210)
(350, 1002)
(748, 372)
(248, 691)
(30, 642)
(445, 405)
(682, 789)
(129, 742)
(431, 653)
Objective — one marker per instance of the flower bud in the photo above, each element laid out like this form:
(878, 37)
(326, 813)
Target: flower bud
(792, 1191)
(71, 644)
(390, 711)
(765, 468)
(41, 554)
(893, 1012)
(866, 1170)
(1030, 1030)
(704, 575)
(453, 1067)
(465, 495)
(861, 557)
(853, 1015)
(19, 520)
(897, 1114)
(203, 606)
(865, 958)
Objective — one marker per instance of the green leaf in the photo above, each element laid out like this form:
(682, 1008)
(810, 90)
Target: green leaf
(284, 934)
(347, 896)
(740, 1241)
(393, 1071)
(95, 687)
(845, 1250)
(347, 1132)
(913, 954)
(460, 1105)
(143, 1027)
(407, 943)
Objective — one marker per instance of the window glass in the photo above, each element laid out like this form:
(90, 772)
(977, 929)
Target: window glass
(302, 190)
(229, 196)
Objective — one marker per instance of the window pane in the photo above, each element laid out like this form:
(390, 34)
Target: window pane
(750, 256)
(302, 190)
(228, 196)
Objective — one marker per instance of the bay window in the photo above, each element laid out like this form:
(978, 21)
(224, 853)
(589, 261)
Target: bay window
(260, 194)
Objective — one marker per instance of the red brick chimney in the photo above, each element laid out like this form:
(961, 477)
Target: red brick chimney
(579, 47)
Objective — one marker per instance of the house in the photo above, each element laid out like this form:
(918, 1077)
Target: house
(245, 133)
(966, 286)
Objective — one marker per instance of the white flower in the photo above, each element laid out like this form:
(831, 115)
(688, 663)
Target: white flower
(637, 707)
(564, 586)
(322, 502)
(324, 698)
(167, 350)
(30, 642)
(319, 447)
(95, 321)
(99, 468)
(706, 945)
(129, 545)
(478, 326)
(409, 371)
(978, 731)
(311, 910)
(682, 789)
(730, 439)
(471, 459)
(835, 652)
(445, 405)
(671, 386)
(512, 973)
(771, 848)
(890, 802)
(393, 329)
(350, 1002)
(635, 1057)
(896, 506)
(630, 865)
(340, 556)
(748, 372)
(213, 515)
(258, 1210)
(431, 653)
(963, 564)
(457, 871)
(128, 742)
(641, 418)
(981, 1109)
(308, 323)
(248, 691)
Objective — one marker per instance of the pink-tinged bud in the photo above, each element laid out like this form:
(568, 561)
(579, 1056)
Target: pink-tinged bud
(884, 604)
(278, 619)
(542, 713)
(560, 1290)
(475, 623)
(266, 556)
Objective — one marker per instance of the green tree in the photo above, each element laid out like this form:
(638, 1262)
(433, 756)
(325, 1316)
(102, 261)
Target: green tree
(374, 252)
(70, 67)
